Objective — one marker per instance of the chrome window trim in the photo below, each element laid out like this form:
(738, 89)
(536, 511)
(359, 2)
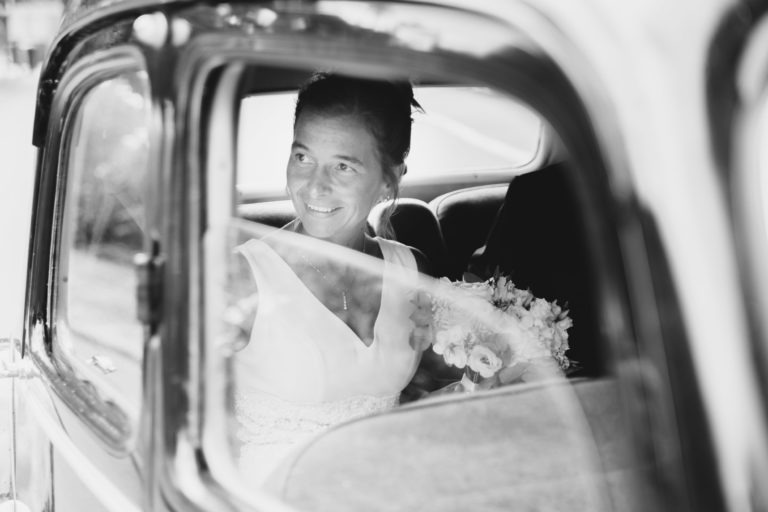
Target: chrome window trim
(750, 176)
(749, 203)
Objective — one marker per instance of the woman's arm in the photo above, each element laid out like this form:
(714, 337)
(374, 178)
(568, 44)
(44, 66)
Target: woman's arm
(241, 312)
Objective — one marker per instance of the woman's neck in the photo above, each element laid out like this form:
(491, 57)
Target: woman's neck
(359, 242)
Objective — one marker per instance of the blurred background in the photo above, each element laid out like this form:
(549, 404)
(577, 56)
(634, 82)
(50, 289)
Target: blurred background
(27, 27)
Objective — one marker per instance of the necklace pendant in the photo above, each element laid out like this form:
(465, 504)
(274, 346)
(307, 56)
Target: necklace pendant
(344, 303)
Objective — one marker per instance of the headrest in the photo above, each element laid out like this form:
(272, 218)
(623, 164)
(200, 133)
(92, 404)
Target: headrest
(414, 224)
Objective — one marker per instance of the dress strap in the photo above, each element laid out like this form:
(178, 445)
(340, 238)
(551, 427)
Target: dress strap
(401, 254)
(263, 261)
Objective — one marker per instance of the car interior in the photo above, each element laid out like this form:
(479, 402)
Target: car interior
(524, 222)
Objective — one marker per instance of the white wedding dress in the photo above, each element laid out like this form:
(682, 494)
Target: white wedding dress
(305, 370)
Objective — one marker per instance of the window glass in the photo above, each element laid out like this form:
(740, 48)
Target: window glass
(325, 339)
(461, 130)
(326, 345)
(102, 229)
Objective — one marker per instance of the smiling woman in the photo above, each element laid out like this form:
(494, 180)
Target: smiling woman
(345, 346)
(335, 176)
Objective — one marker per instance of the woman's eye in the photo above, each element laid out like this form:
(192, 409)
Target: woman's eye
(341, 166)
(300, 157)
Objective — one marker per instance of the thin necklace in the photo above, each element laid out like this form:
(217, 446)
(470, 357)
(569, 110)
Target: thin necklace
(344, 300)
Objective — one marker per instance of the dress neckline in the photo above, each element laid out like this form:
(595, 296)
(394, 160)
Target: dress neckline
(343, 325)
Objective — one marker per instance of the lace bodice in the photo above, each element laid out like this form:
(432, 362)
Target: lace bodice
(267, 420)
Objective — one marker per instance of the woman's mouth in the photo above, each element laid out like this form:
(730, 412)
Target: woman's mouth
(321, 209)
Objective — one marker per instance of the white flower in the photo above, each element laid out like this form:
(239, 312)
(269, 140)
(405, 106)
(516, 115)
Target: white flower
(540, 309)
(484, 361)
(452, 336)
(526, 322)
(523, 297)
(450, 344)
(482, 290)
(504, 291)
(491, 325)
(455, 355)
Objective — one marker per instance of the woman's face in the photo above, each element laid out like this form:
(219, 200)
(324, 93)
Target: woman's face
(334, 176)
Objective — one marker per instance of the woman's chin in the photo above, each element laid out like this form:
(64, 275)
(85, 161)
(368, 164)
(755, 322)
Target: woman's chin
(334, 236)
(321, 230)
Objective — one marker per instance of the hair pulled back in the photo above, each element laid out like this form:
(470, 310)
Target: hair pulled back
(384, 106)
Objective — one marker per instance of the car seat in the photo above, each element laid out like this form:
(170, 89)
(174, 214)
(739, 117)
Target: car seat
(539, 240)
(415, 225)
(465, 217)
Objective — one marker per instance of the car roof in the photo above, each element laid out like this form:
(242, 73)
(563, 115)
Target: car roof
(82, 17)
(80, 12)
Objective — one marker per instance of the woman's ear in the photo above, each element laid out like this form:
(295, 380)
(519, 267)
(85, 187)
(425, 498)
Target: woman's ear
(392, 185)
(399, 171)
(386, 193)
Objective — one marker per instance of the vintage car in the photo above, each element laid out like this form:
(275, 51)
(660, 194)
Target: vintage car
(607, 155)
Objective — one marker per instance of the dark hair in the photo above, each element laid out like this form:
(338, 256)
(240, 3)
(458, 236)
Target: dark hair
(384, 106)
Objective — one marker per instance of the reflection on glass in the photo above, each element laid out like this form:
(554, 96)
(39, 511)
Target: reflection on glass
(103, 230)
(330, 340)
(304, 363)
(314, 395)
(358, 382)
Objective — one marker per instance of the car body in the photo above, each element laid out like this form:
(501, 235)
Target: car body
(120, 385)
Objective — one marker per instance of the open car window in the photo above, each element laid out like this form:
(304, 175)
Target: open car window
(319, 392)
(503, 333)
(461, 131)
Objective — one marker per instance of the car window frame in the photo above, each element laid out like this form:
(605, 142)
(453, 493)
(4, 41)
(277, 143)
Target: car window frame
(220, 50)
(72, 381)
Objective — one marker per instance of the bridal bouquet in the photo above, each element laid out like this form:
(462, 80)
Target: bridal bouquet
(488, 326)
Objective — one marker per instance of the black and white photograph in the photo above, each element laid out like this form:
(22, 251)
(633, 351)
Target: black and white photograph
(384, 256)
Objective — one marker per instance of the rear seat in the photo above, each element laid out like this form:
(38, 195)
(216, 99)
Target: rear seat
(414, 224)
(539, 239)
(465, 217)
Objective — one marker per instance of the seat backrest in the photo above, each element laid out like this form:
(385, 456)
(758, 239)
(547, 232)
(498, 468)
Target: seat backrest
(465, 218)
(415, 225)
(539, 240)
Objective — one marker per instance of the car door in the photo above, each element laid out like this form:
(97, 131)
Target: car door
(83, 331)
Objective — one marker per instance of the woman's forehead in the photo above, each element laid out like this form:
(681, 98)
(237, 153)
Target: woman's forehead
(334, 130)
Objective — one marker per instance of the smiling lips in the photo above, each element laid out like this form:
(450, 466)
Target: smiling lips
(320, 209)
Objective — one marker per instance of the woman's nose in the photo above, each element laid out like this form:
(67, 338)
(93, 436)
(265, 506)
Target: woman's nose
(320, 181)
